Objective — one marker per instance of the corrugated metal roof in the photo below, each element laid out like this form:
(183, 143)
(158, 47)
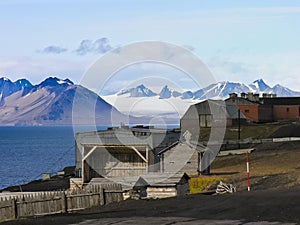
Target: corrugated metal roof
(150, 179)
(162, 179)
(155, 139)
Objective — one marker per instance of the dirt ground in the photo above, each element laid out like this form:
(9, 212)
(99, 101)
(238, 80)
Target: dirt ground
(255, 207)
(272, 166)
(274, 197)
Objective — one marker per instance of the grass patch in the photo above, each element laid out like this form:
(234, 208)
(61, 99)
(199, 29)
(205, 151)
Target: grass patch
(255, 131)
(201, 184)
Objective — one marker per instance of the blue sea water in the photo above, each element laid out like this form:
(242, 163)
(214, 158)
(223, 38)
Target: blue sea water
(27, 152)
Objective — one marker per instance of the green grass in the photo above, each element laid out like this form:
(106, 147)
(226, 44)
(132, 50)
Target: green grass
(255, 131)
(201, 184)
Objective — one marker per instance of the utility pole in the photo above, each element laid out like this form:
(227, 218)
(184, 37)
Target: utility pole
(239, 128)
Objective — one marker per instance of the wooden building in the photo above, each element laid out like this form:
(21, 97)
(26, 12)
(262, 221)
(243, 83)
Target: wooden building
(120, 152)
(269, 108)
(187, 157)
(283, 108)
(163, 185)
(210, 113)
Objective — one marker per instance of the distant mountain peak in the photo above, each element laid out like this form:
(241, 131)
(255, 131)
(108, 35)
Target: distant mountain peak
(6, 79)
(278, 85)
(259, 85)
(139, 91)
(141, 86)
(165, 92)
(54, 81)
(23, 83)
(259, 81)
(50, 103)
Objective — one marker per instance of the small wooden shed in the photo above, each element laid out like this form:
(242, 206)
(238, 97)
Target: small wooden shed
(162, 185)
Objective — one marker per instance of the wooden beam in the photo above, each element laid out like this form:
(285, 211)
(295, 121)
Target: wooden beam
(89, 153)
(147, 158)
(139, 154)
(82, 166)
(83, 162)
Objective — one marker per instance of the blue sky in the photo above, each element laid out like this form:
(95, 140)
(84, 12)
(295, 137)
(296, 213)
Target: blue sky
(239, 40)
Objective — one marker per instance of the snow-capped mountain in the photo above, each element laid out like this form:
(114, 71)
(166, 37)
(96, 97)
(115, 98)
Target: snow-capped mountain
(139, 91)
(167, 92)
(281, 91)
(187, 95)
(54, 82)
(173, 104)
(23, 83)
(7, 87)
(220, 90)
(259, 86)
(52, 103)
(223, 89)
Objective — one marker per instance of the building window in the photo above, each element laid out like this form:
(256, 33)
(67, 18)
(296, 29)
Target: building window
(287, 109)
(247, 110)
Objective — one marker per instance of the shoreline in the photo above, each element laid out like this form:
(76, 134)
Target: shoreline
(55, 183)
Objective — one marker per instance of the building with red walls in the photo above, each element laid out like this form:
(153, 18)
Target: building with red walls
(269, 108)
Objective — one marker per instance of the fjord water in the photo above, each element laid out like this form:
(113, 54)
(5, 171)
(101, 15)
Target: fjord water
(27, 152)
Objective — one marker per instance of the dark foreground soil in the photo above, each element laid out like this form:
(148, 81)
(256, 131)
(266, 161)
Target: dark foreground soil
(274, 197)
(280, 206)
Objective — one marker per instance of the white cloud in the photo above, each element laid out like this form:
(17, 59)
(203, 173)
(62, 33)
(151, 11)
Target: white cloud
(53, 49)
(37, 70)
(99, 46)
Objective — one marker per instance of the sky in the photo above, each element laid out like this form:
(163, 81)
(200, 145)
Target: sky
(239, 41)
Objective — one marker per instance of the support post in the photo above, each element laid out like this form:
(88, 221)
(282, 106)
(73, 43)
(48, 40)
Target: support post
(14, 208)
(199, 164)
(102, 196)
(147, 159)
(82, 166)
(239, 129)
(162, 164)
(248, 170)
(64, 202)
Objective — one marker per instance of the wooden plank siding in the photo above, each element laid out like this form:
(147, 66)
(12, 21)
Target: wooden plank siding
(115, 161)
(47, 203)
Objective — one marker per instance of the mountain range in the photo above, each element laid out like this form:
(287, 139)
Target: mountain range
(220, 90)
(52, 103)
(57, 101)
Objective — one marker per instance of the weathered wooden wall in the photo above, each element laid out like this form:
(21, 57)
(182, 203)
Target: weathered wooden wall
(46, 203)
(161, 192)
(113, 163)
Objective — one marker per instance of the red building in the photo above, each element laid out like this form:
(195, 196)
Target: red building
(283, 108)
(268, 108)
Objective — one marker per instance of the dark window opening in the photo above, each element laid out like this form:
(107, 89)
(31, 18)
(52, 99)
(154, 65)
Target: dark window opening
(247, 110)
(287, 109)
